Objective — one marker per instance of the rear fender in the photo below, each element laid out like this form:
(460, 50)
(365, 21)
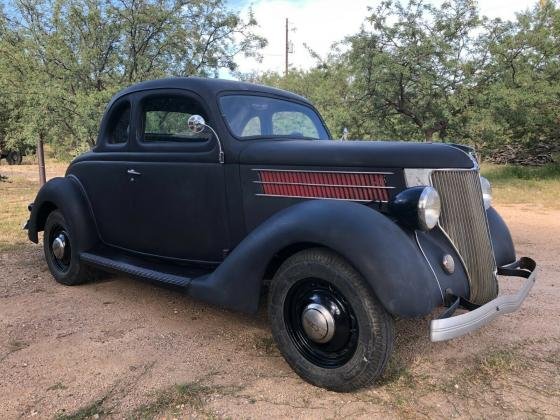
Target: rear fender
(379, 249)
(67, 195)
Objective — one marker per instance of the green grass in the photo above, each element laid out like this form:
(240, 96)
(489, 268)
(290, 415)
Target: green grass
(513, 184)
(86, 412)
(192, 395)
(499, 173)
(491, 364)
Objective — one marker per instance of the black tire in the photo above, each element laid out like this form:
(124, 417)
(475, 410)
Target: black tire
(68, 269)
(14, 158)
(358, 352)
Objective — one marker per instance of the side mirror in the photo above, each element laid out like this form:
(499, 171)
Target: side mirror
(196, 123)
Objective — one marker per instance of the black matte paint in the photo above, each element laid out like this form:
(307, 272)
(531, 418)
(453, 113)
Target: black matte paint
(404, 207)
(372, 154)
(504, 250)
(67, 195)
(378, 248)
(186, 210)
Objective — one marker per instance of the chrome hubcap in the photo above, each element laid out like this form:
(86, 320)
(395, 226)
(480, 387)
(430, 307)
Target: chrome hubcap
(59, 246)
(318, 323)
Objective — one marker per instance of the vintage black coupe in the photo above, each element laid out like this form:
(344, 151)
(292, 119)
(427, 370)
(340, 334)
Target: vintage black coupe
(226, 189)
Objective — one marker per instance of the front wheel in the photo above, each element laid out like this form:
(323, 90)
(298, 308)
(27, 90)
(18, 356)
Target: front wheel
(327, 323)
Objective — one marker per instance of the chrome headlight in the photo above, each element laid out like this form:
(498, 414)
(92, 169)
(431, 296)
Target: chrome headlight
(429, 208)
(486, 192)
(417, 207)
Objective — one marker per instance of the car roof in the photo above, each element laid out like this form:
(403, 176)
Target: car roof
(206, 87)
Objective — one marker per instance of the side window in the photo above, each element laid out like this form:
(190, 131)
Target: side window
(252, 128)
(119, 124)
(290, 123)
(166, 117)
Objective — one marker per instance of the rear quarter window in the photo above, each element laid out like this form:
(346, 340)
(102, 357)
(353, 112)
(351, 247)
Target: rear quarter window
(119, 124)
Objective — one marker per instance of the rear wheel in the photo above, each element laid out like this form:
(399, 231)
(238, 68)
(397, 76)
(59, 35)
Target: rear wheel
(61, 254)
(327, 323)
(14, 158)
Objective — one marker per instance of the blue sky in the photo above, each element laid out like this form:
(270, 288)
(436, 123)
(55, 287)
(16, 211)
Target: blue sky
(320, 23)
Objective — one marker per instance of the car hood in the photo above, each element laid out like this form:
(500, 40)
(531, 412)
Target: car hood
(386, 154)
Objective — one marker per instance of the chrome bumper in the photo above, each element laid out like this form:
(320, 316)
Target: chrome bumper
(455, 326)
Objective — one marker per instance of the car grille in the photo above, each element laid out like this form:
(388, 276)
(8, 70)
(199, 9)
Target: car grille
(463, 218)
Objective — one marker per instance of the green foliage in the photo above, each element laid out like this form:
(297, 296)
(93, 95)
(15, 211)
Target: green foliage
(166, 122)
(412, 65)
(327, 85)
(416, 71)
(522, 99)
(62, 60)
(412, 71)
(499, 173)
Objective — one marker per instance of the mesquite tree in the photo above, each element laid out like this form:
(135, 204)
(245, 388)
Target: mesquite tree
(61, 60)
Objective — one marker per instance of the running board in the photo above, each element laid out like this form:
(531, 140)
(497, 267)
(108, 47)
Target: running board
(134, 270)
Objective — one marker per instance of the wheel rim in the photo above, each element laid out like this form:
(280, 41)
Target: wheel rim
(60, 249)
(321, 323)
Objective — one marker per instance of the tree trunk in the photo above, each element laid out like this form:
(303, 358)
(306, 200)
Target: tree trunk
(41, 160)
(429, 134)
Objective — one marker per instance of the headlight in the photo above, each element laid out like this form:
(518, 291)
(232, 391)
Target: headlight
(486, 192)
(417, 207)
(429, 208)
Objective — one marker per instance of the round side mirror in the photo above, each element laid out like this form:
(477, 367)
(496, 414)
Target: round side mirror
(196, 123)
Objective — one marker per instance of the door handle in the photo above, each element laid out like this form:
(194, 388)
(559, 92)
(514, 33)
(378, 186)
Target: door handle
(133, 172)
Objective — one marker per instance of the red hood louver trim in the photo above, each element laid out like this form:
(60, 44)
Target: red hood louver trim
(353, 186)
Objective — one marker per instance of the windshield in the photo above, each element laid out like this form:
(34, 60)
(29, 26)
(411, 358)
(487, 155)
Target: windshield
(251, 116)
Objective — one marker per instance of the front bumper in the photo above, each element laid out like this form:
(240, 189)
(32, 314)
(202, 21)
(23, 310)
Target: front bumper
(456, 326)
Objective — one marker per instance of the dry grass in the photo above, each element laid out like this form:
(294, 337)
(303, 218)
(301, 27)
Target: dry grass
(525, 185)
(15, 195)
(18, 187)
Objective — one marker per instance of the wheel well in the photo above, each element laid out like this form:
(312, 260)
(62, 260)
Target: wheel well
(285, 253)
(46, 209)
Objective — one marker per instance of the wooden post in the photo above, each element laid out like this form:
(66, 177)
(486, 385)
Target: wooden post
(41, 160)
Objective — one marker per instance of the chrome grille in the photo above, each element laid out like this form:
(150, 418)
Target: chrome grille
(463, 218)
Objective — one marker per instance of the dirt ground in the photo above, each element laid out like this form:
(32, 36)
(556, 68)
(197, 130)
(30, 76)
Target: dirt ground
(120, 348)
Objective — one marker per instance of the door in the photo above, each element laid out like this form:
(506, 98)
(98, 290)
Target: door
(102, 174)
(176, 184)
(155, 187)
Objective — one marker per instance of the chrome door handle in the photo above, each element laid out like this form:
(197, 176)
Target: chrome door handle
(133, 172)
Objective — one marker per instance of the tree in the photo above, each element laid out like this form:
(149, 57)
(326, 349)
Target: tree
(73, 55)
(518, 114)
(415, 65)
(327, 85)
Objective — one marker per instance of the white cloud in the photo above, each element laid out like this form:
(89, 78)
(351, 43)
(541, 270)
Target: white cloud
(320, 23)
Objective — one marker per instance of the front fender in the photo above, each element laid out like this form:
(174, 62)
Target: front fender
(381, 251)
(504, 250)
(67, 195)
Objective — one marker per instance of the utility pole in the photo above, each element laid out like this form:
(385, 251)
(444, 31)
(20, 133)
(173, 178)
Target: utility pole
(287, 49)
